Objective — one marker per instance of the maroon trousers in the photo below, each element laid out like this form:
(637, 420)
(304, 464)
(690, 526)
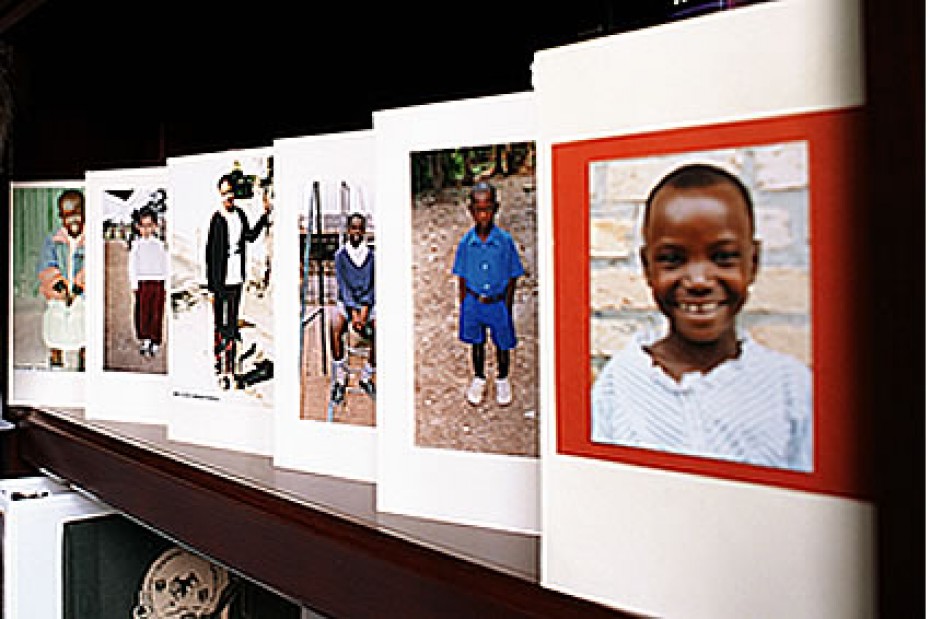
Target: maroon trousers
(150, 310)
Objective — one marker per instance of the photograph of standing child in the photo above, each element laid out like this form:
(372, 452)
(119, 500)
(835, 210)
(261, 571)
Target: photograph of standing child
(148, 269)
(228, 234)
(135, 257)
(705, 388)
(221, 288)
(487, 266)
(473, 227)
(62, 279)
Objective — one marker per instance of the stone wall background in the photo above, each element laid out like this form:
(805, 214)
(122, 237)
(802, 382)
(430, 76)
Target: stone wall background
(777, 313)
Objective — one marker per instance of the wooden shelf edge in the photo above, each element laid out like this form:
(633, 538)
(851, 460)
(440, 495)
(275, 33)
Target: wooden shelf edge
(329, 562)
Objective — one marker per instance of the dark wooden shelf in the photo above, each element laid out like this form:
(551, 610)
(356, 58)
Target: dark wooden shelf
(312, 538)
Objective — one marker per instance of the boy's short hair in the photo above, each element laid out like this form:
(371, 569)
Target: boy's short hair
(71, 194)
(356, 215)
(147, 211)
(482, 187)
(697, 176)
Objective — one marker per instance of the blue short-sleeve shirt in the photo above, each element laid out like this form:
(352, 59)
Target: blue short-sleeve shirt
(487, 266)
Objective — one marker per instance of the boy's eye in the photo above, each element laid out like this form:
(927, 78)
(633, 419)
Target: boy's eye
(669, 259)
(726, 257)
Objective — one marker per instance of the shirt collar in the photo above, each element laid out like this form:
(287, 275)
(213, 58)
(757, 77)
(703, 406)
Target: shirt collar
(494, 237)
(62, 236)
(357, 255)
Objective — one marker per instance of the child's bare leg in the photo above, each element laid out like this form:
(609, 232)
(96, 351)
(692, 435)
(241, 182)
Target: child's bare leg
(336, 333)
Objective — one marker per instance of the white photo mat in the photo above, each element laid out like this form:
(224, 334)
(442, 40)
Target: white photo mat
(203, 412)
(31, 382)
(659, 542)
(490, 490)
(329, 447)
(113, 394)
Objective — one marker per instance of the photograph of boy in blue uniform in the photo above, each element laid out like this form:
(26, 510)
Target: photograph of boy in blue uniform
(355, 306)
(487, 266)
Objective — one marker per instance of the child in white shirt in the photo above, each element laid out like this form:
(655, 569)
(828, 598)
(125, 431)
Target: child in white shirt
(704, 389)
(148, 269)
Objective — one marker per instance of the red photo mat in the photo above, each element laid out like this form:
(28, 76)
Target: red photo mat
(839, 325)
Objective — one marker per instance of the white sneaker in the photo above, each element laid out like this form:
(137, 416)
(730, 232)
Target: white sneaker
(144, 347)
(475, 392)
(503, 391)
(154, 348)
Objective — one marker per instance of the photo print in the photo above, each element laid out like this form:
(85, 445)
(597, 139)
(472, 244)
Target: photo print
(439, 419)
(338, 314)
(743, 324)
(643, 508)
(473, 231)
(136, 261)
(48, 315)
(48, 278)
(221, 306)
(705, 305)
(326, 306)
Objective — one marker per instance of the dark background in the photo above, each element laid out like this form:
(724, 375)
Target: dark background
(90, 85)
(106, 84)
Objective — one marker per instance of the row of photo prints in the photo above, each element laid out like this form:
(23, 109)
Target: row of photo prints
(572, 312)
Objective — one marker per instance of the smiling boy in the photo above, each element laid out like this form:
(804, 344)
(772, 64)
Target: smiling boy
(61, 281)
(704, 388)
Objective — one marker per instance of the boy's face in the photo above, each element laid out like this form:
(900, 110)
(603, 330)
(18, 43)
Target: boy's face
(71, 212)
(356, 231)
(700, 259)
(146, 227)
(482, 210)
(228, 195)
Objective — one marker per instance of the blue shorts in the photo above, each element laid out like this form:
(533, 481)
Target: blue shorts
(475, 318)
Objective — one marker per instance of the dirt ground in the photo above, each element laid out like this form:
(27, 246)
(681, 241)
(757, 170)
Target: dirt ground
(358, 409)
(444, 419)
(121, 349)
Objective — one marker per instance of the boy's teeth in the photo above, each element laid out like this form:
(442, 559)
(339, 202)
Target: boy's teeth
(698, 307)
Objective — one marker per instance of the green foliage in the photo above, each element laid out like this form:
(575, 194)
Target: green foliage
(433, 171)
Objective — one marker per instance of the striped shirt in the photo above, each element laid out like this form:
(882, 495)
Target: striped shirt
(755, 409)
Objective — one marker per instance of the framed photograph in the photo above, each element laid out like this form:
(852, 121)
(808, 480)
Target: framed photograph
(327, 304)
(658, 294)
(127, 227)
(707, 398)
(222, 357)
(459, 297)
(48, 325)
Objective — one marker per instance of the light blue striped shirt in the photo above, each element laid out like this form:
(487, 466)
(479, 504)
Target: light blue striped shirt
(755, 409)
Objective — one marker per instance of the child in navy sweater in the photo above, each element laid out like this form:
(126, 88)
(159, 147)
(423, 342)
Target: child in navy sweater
(355, 305)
